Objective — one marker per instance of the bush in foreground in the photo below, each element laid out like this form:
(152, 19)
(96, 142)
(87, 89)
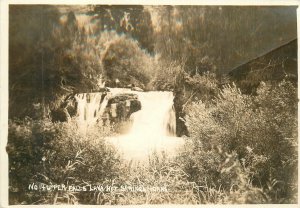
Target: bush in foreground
(259, 132)
(43, 152)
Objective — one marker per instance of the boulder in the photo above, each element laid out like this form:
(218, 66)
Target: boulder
(66, 110)
(61, 115)
(121, 106)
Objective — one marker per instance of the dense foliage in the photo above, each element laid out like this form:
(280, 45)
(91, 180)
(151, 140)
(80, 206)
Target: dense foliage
(125, 61)
(257, 135)
(226, 35)
(43, 152)
(133, 20)
(50, 58)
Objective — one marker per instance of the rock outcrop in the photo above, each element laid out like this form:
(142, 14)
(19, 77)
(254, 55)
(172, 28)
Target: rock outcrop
(121, 106)
(67, 109)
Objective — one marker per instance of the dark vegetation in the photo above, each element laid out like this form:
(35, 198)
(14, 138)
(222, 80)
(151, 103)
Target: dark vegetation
(241, 127)
(279, 64)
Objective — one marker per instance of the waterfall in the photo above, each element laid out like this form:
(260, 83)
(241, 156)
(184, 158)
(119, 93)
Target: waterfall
(155, 117)
(153, 128)
(90, 107)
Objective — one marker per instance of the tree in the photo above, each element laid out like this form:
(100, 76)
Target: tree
(125, 61)
(132, 20)
(227, 35)
(48, 60)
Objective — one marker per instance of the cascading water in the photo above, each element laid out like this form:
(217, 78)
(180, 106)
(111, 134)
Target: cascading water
(153, 127)
(90, 107)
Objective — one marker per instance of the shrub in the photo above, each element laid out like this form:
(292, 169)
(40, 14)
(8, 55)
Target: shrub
(56, 153)
(165, 75)
(261, 130)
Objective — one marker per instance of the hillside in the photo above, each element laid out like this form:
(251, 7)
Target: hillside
(274, 66)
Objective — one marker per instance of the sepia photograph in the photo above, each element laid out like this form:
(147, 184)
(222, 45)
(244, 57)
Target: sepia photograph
(139, 104)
